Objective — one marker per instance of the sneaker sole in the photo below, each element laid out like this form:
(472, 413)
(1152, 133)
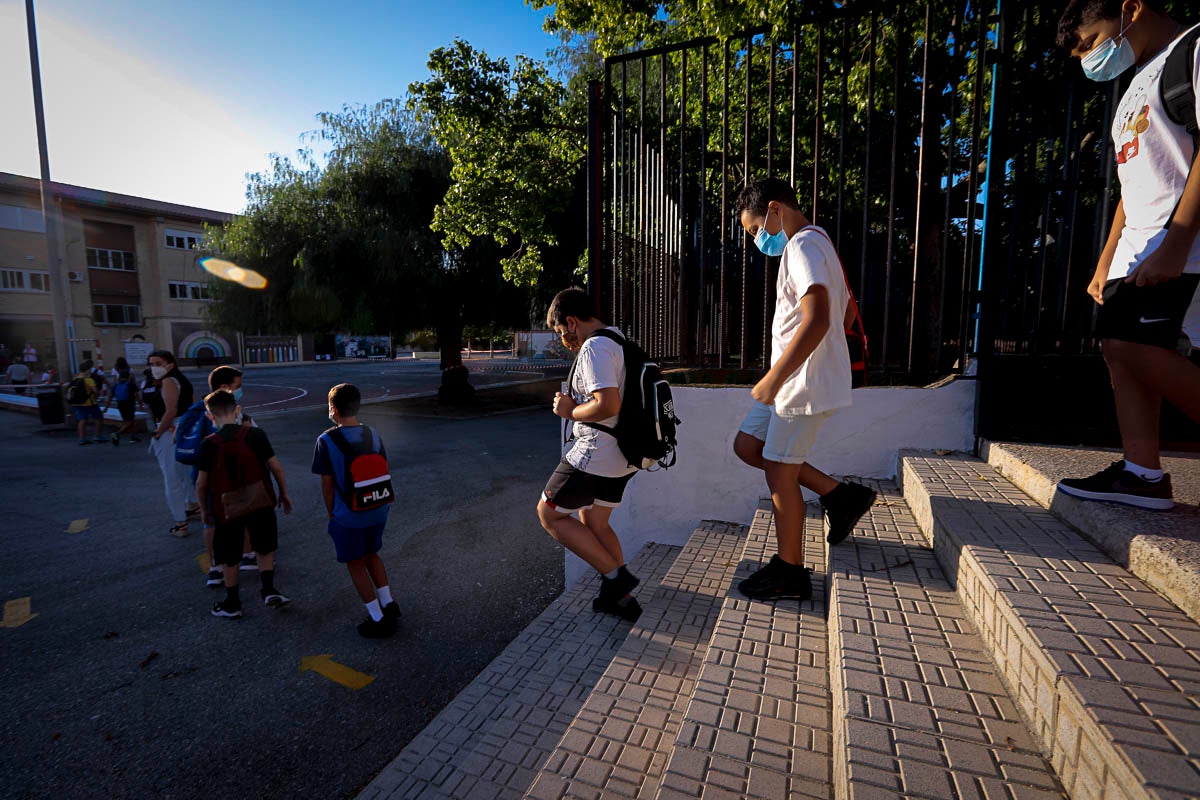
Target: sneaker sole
(278, 601)
(227, 614)
(1148, 503)
(214, 582)
(776, 598)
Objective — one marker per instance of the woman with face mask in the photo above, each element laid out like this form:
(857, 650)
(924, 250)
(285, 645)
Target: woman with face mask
(175, 397)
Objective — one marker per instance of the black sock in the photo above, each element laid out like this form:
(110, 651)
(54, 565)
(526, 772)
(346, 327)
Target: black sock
(232, 599)
(267, 576)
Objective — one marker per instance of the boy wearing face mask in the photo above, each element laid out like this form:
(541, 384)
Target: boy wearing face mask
(808, 381)
(591, 478)
(1148, 272)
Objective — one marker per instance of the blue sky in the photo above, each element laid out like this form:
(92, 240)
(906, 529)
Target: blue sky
(178, 101)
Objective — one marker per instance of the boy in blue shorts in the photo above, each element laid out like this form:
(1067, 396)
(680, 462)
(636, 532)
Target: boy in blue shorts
(352, 463)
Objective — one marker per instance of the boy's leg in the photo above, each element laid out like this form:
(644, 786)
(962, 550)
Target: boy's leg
(262, 531)
(375, 569)
(596, 519)
(1142, 377)
(223, 536)
(787, 500)
(576, 537)
(362, 580)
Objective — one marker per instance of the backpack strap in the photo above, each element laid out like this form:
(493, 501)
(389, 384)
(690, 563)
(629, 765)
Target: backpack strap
(1175, 85)
(604, 333)
(862, 328)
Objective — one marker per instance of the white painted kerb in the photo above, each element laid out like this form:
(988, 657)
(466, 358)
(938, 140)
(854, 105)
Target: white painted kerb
(709, 482)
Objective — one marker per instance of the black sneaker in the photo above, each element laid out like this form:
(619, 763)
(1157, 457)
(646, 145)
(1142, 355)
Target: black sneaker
(615, 589)
(216, 577)
(275, 599)
(1118, 485)
(116, 440)
(391, 612)
(371, 629)
(844, 507)
(223, 608)
(249, 563)
(778, 580)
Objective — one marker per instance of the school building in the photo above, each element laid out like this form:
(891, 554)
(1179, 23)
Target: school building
(133, 281)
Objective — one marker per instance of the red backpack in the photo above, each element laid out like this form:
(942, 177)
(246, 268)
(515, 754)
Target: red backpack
(238, 484)
(366, 482)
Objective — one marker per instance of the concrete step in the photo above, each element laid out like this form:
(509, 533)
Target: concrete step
(618, 743)
(918, 709)
(1160, 547)
(492, 739)
(757, 724)
(1105, 672)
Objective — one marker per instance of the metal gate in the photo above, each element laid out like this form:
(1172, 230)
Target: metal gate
(968, 219)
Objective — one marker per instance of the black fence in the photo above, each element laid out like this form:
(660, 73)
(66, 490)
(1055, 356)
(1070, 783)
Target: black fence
(967, 183)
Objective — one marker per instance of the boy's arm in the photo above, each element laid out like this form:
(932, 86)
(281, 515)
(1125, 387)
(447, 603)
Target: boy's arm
(605, 403)
(814, 324)
(1169, 258)
(327, 493)
(202, 498)
(277, 472)
(1096, 287)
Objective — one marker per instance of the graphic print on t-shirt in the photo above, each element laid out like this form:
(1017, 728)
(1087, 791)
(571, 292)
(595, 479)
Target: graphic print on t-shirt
(1135, 125)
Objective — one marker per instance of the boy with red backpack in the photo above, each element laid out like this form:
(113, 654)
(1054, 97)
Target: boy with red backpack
(236, 496)
(357, 488)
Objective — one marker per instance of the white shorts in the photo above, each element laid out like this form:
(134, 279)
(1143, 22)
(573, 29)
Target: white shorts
(786, 440)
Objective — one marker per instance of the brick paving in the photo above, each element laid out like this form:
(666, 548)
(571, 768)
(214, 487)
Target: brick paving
(1104, 670)
(491, 740)
(759, 719)
(619, 742)
(918, 708)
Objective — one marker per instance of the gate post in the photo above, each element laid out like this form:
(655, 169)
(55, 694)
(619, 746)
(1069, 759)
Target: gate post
(595, 203)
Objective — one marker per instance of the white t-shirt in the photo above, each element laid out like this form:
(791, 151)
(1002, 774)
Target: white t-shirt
(1154, 157)
(599, 365)
(822, 383)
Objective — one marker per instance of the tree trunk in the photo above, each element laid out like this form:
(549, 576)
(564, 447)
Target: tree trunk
(455, 388)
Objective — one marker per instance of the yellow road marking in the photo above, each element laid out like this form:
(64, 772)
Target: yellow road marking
(77, 526)
(202, 560)
(16, 613)
(338, 673)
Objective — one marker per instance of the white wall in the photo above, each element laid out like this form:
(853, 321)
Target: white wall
(709, 482)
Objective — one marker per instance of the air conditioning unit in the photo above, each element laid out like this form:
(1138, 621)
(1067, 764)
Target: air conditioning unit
(75, 276)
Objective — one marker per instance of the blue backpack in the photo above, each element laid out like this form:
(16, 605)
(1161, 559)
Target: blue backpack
(190, 431)
(124, 388)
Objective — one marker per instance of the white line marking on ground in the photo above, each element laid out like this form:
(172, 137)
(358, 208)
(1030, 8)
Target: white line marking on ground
(303, 393)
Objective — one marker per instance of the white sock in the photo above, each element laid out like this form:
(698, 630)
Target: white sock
(613, 574)
(385, 595)
(1145, 474)
(374, 610)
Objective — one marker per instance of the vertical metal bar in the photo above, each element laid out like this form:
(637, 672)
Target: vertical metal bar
(745, 182)
(643, 200)
(770, 110)
(842, 133)
(866, 204)
(683, 319)
(768, 262)
(951, 153)
(917, 233)
(594, 177)
(899, 42)
(795, 110)
(817, 120)
(722, 304)
(626, 176)
(660, 305)
(969, 295)
(701, 216)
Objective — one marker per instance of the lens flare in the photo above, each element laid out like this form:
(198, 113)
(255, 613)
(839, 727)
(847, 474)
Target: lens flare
(228, 271)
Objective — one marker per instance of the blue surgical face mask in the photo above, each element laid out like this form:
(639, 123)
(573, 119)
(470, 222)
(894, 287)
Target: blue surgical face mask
(237, 394)
(1110, 59)
(771, 244)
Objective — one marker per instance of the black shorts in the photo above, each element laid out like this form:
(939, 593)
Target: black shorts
(570, 489)
(1150, 315)
(127, 409)
(228, 536)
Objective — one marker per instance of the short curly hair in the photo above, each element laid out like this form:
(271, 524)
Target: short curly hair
(757, 195)
(570, 303)
(1084, 12)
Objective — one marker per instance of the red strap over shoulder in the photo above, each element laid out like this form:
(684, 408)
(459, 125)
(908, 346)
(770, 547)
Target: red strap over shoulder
(862, 329)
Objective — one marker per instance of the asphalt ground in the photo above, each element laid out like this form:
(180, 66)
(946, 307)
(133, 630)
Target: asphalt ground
(118, 683)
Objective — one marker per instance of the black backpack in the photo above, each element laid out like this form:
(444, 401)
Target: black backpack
(645, 429)
(1175, 86)
(77, 392)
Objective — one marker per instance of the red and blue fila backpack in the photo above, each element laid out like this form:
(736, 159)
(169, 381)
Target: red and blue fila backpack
(367, 484)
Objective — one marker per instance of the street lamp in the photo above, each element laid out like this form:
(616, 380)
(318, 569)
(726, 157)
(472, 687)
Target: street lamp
(58, 276)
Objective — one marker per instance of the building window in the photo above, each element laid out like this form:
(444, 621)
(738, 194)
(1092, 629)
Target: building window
(98, 258)
(20, 218)
(114, 314)
(23, 280)
(187, 290)
(182, 240)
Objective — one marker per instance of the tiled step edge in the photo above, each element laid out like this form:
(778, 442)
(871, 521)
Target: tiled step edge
(1133, 537)
(757, 725)
(494, 736)
(618, 743)
(1104, 670)
(918, 710)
